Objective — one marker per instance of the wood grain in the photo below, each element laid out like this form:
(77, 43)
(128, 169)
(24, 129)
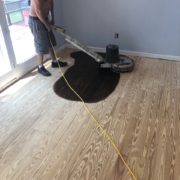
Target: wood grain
(46, 137)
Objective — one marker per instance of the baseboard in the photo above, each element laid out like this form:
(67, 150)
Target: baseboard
(129, 53)
(141, 54)
(59, 49)
(66, 45)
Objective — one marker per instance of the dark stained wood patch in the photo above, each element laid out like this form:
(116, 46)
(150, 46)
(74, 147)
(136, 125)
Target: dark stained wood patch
(91, 83)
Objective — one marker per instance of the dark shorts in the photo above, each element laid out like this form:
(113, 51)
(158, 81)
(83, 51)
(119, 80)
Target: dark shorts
(41, 36)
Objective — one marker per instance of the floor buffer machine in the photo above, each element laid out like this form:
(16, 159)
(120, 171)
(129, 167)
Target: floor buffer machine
(113, 61)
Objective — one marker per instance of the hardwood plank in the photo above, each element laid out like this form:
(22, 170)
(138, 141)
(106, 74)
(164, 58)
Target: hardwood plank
(44, 136)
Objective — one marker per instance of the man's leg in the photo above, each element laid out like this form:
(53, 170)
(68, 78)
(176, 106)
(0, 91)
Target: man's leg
(41, 68)
(40, 42)
(51, 53)
(55, 61)
(40, 59)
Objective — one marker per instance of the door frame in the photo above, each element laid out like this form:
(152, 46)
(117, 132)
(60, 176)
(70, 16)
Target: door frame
(6, 35)
(17, 70)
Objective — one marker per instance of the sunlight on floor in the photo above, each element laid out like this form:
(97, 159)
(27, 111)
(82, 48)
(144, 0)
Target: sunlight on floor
(5, 95)
(15, 87)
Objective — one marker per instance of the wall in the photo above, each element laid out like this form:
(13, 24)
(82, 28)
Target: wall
(58, 13)
(148, 26)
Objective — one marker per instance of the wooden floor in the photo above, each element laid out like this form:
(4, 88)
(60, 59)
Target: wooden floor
(46, 137)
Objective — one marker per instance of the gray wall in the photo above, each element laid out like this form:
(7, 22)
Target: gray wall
(58, 21)
(151, 26)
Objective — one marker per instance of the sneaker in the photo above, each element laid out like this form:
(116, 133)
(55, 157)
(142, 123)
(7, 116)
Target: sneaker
(43, 71)
(57, 64)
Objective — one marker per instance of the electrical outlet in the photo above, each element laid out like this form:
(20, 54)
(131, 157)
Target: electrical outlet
(116, 35)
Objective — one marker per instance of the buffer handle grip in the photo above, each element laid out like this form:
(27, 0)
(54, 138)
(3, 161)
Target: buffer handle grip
(59, 29)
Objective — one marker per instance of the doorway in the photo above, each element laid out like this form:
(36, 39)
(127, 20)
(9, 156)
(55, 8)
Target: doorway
(16, 41)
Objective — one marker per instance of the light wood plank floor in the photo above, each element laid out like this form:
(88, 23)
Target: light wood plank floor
(46, 137)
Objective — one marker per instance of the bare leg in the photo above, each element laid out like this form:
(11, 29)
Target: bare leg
(51, 53)
(55, 61)
(40, 59)
(41, 69)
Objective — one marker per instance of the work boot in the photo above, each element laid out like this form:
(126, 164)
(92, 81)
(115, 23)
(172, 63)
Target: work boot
(56, 64)
(42, 70)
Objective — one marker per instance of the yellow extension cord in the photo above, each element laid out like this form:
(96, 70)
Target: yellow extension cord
(94, 120)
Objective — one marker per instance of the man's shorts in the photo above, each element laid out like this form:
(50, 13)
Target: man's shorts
(41, 36)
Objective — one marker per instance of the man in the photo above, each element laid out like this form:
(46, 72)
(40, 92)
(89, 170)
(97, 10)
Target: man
(41, 28)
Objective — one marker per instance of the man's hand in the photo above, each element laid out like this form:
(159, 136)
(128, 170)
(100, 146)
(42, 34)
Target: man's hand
(51, 25)
(52, 22)
(57, 28)
(49, 28)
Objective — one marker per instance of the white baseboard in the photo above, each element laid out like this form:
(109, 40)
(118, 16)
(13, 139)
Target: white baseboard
(59, 49)
(66, 45)
(141, 54)
(128, 53)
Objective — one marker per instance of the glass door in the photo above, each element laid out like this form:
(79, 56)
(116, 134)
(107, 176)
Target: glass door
(17, 12)
(7, 60)
(5, 66)
(17, 53)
